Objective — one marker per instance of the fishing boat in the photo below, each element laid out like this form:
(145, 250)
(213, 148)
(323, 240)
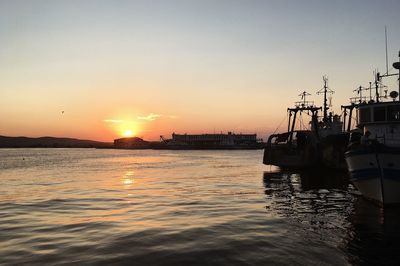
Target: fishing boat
(374, 159)
(322, 143)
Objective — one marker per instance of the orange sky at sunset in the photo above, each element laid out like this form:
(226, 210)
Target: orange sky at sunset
(154, 68)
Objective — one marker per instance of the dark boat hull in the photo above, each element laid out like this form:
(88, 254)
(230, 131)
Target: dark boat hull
(375, 171)
(284, 156)
(327, 152)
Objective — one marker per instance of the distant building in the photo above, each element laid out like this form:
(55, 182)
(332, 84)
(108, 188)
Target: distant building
(214, 139)
(133, 142)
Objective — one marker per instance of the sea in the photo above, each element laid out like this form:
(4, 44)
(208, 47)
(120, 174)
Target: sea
(160, 207)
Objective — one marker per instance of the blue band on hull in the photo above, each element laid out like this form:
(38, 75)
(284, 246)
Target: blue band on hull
(364, 174)
(363, 150)
(371, 173)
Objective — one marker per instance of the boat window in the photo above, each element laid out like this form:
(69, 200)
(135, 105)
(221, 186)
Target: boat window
(394, 113)
(379, 114)
(365, 115)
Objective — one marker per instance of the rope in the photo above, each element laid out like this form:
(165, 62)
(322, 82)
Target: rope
(284, 118)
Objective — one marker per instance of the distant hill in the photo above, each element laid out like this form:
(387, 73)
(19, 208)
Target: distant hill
(50, 142)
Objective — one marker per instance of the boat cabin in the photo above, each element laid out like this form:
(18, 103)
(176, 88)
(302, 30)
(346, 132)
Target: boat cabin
(382, 120)
(382, 113)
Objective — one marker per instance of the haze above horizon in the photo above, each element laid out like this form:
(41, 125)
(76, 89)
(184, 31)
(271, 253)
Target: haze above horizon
(106, 69)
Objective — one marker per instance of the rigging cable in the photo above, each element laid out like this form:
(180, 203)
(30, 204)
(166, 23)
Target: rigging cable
(284, 118)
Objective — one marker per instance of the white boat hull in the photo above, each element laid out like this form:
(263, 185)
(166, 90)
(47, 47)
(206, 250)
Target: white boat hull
(376, 174)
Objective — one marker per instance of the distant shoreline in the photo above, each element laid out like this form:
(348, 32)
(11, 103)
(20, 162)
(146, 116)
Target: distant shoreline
(54, 142)
(50, 142)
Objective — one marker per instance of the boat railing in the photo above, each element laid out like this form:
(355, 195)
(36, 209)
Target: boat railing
(304, 104)
(356, 100)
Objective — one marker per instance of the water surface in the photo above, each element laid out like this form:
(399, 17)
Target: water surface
(131, 207)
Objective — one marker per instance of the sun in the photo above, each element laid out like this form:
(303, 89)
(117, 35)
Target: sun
(124, 128)
(128, 133)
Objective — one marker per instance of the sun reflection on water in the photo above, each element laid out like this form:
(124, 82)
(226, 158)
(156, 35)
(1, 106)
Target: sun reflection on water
(127, 179)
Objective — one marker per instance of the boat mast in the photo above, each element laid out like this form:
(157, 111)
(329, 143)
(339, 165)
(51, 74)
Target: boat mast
(370, 91)
(300, 107)
(396, 65)
(378, 77)
(325, 90)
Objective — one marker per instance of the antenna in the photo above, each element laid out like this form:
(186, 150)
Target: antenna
(303, 95)
(387, 66)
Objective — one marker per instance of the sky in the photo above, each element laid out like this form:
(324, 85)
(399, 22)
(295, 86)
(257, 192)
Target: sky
(107, 69)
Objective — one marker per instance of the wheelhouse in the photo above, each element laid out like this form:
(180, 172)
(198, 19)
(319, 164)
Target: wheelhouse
(379, 113)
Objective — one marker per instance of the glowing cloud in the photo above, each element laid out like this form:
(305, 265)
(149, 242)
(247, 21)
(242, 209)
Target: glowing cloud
(150, 117)
(112, 121)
